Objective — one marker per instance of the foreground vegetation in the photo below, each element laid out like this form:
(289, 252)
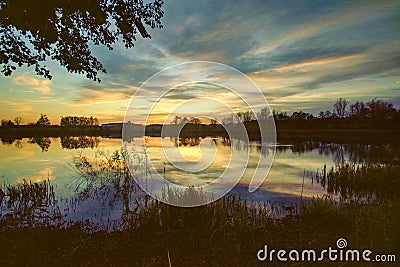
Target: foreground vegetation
(226, 232)
(208, 236)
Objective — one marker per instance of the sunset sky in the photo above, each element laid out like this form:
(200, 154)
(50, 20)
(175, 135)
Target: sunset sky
(302, 55)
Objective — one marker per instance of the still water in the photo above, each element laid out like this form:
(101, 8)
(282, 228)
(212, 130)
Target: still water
(292, 174)
(31, 160)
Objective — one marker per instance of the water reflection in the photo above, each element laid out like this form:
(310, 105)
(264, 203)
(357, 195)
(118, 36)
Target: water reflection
(366, 182)
(69, 142)
(106, 188)
(8, 140)
(30, 203)
(341, 153)
(187, 141)
(237, 144)
(43, 142)
(18, 144)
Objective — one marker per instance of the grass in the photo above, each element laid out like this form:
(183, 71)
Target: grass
(220, 234)
(365, 182)
(227, 232)
(29, 204)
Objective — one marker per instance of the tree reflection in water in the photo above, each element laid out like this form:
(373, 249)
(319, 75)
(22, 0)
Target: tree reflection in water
(187, 141)
(43, 142)
(70, 142)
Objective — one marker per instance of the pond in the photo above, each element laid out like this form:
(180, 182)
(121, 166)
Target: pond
(293, 174)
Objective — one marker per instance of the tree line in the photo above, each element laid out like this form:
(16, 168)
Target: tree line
(184, 120)
(373, 110)
(374, 114)
(357, 115)
(44, 121)
(79, 121)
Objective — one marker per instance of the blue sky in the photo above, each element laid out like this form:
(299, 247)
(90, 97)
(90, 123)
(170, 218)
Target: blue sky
(303, 55)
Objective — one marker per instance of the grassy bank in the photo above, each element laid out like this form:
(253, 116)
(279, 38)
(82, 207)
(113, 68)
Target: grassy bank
(199, 237)
(228, 232)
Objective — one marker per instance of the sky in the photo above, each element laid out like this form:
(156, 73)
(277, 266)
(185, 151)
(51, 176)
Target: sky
(302, 55)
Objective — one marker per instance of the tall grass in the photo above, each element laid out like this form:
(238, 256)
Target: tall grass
(28, 204)
(365, 182)
(228, 231)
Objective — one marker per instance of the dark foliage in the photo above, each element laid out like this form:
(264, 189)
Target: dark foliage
(79, 121)
(32, 32)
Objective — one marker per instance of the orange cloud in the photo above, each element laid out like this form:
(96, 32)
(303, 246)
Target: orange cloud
(92, 96)
(319, 61)
(39, 176)
(41, 86)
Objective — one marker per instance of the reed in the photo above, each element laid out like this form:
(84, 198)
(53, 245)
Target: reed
(366, 182)
(30, 204)
(228, 231)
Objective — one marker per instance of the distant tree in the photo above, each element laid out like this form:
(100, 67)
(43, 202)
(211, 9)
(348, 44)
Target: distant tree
(279, 115)
(18, 120)
(79, 121)
(194, 120)
(64, 31)
(245, 116)
(249, 116)
(300, 115)
(43, 120)
(340, 107)
(357, 109)
(185, 120)
(214, 121)
(6, 123)
(177, 120)
(93, 121)
(379, 109)
(374, 109)
(296, 115)
(328, 114)
(264, 114)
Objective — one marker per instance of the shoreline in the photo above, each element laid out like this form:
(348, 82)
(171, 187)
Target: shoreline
(375, 136)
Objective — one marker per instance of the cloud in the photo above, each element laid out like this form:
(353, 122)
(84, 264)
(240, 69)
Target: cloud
(97, 95)
(41, 86)
(295, 51)
(131, 67)
(212, 31)
(318, 62)
(311, 26)
(16, 106)
(377, 61)
(39, 176)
